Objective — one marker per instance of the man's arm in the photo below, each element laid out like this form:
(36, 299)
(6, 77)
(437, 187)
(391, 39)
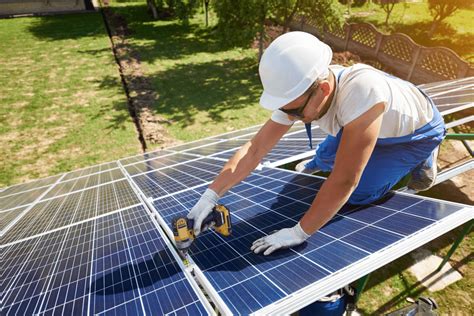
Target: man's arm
(236, 169)
(357, 144)
(248, 157)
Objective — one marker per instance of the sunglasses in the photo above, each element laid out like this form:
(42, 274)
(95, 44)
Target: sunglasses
(298, 112)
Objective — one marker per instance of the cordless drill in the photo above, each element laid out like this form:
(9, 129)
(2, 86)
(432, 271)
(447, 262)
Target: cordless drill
(183, 231)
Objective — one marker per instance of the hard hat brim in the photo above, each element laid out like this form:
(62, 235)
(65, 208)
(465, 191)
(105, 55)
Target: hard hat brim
(273, 103)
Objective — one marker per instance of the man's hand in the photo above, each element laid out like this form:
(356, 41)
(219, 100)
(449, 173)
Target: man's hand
(284, 238)
(202, 209)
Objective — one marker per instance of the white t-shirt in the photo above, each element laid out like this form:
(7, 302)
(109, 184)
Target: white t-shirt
(360, 87)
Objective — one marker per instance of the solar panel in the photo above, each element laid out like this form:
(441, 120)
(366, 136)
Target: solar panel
(113, 264)
(89, 170)
(145, 156)
(451, 96)
(158, 163)
(32, 185)
(55, 213)
(6, 217)
(271, 199)
(169, 180)
(83, 242)
(20, 199)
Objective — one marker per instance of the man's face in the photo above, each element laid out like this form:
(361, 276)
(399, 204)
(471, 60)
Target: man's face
(307, 106)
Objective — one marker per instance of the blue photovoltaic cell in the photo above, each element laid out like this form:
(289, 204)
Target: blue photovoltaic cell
(284, 149)
(20, 199)
(352, 236)
(114, 264)
(218, 147)
(28, 186)
(158, 163)
(170, 180)
(145, 156)
(6, 217)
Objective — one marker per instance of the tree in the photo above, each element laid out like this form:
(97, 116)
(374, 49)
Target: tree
(237, 20)
(441, 9)
(206, 9)
(387, 6)
(240, 21)
(183, 9)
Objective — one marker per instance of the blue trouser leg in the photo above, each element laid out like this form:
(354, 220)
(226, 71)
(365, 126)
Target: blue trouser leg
(387, 165)
(325, 153)
(390, 161)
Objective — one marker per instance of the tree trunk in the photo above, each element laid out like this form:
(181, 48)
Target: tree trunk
(262, 31)
(152, 7)
(206, 5)
(286, 27)
(433, 28)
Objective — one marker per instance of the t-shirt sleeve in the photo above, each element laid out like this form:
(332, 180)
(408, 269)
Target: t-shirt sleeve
(281, 118)
(360, 94)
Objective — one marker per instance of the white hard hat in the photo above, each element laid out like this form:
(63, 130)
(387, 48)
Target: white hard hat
(290, 65)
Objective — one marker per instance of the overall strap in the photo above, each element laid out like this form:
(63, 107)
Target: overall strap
(308, 125)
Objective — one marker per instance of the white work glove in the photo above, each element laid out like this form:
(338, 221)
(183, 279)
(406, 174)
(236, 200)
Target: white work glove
(202, 209)
(284, 238)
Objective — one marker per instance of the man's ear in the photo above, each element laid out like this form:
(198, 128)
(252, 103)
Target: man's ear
(324, 85)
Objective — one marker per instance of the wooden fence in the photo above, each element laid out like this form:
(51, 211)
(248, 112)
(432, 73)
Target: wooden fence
(395, 53)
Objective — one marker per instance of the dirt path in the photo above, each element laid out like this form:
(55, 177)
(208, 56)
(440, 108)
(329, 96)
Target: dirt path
(139, 89)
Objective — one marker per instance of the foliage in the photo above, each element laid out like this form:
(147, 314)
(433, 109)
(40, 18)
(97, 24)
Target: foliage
(325, 14)
(185, 9)
(388, 6)
(240, 21)
(441, 9)
(182, 9)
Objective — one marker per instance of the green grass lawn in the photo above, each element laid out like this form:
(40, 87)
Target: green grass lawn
(414, 19)
(204, 88)
(56, 112)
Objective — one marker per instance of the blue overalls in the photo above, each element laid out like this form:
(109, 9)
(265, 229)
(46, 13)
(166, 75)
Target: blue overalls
(391, 159)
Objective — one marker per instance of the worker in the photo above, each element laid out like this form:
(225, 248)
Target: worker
(380, 128)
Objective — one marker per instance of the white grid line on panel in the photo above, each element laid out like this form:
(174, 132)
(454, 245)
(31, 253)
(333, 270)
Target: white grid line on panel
(83, 189)
(371, 263)
(151, 211)
(193, 157)
(456, 109)
(134, 279)
(170, 153)
(29, 207)
(452, 90)
(67, 226)
(445, 83)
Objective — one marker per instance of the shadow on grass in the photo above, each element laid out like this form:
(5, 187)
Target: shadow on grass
(212, 87)
(68, 26)
(168, 39)
(120, 116)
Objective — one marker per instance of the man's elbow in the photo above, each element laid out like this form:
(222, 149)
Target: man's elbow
(347, 182)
